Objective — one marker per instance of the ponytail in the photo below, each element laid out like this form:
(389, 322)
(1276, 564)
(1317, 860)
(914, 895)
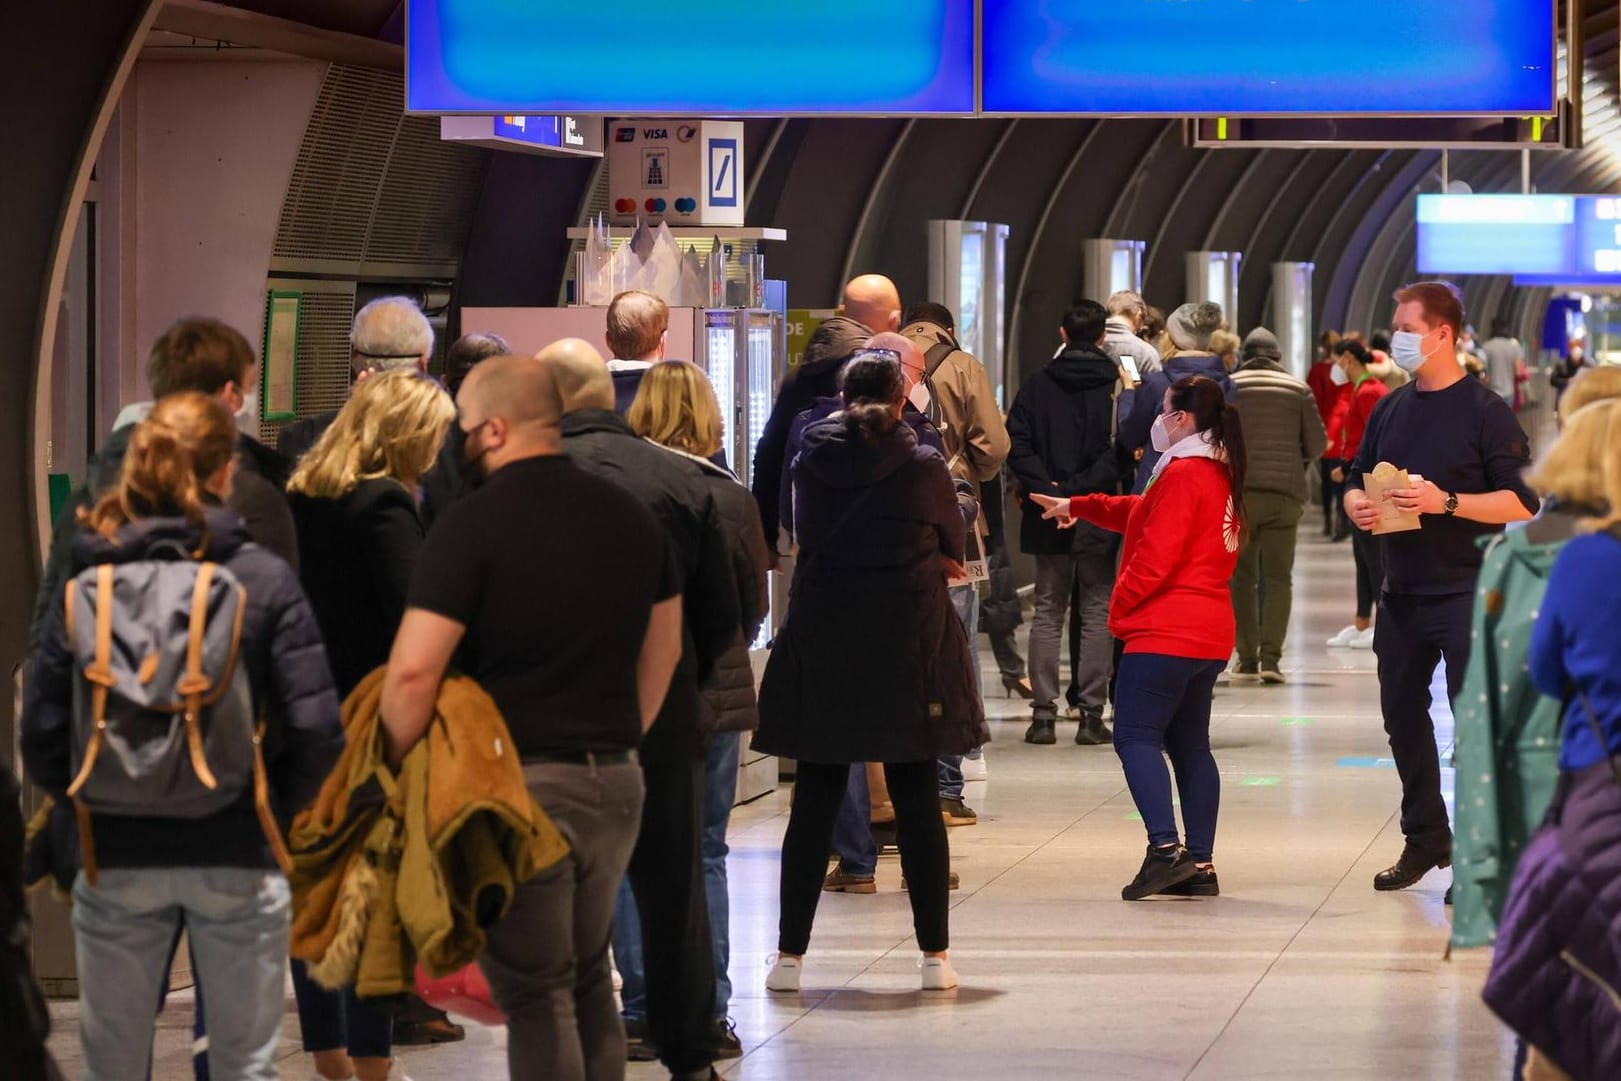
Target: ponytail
(1204, 400)
(872, 386)
(172, 453)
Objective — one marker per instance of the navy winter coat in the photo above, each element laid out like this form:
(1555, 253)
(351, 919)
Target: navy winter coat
(1139, 407)
(872, 663)
(287, 672)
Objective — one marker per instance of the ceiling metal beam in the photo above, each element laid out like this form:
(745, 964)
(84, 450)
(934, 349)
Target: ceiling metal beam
(209, 21)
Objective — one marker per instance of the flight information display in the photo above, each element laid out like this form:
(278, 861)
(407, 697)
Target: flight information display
(1541, 238)
(698, 58)
(1268, 57)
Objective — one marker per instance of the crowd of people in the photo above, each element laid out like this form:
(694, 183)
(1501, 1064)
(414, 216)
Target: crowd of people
(210, 603)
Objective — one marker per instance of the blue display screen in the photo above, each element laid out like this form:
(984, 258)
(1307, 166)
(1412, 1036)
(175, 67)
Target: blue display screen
(1268, 57)
(1541, 239)
(698, 57)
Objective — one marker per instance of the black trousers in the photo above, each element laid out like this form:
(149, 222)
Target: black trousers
(1333, 494)
(920, 833)
(1412, 635)
(666, 875)
(1370, 570)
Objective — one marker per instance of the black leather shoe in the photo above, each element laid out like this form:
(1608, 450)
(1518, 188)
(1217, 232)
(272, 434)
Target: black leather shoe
(1162, 868)
(1042, 732)
(1414, 864)
(1093, 733)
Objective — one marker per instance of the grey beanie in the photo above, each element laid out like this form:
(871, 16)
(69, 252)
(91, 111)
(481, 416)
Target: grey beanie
(1191, 325)
(1261, 343)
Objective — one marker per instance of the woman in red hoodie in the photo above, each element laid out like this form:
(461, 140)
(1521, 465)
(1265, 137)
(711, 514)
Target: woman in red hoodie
(1173, 609)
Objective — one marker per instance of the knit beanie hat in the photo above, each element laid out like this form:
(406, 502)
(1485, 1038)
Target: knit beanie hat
(1261, 343)
(1191, 325)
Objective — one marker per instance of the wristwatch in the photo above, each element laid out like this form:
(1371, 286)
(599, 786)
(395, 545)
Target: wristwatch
(1452, 504)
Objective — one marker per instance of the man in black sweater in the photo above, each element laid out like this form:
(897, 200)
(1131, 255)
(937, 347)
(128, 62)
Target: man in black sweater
(1470, 451)
(666, 870)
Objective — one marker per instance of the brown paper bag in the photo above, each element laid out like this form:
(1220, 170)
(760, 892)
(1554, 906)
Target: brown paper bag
(1379, 484)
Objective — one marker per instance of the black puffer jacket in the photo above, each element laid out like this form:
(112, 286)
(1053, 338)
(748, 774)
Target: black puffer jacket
(258, 496)
(729, 702)
(1060, 431)
(287, 673)
(816, 377)
(872, 663)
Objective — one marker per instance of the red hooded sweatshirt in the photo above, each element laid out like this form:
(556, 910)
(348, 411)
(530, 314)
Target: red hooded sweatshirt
(1172, 596)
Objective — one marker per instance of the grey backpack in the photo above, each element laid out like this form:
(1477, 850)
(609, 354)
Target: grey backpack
(163, 718)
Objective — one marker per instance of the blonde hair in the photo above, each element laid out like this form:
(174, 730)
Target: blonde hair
(1582, 470)
(184, 440)
(392, 426)
(1592, 385)
(676, 407)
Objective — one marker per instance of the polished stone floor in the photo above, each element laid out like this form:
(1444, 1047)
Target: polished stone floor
(1299, 970)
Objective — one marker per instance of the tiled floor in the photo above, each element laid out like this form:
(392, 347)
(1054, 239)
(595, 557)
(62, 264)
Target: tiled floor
(1299, 970)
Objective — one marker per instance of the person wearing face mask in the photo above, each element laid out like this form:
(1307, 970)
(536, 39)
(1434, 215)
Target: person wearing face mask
(1351, 360)
(1330, 393)
(1172, 608)
(1190, 329)
(1465, 443)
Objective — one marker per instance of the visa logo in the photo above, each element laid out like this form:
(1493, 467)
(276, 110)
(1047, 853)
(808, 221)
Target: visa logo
(655, 133)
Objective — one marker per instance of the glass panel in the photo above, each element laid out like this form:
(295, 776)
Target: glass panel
(763, 365)
(972, 284)
(720, 361)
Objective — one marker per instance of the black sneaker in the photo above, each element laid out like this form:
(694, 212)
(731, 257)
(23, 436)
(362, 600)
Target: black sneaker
(727, 1045)
(1161, 869)
(1202, 884)
(638, 1048)
(1042, 732)
(1093, 733)
(1414, 864)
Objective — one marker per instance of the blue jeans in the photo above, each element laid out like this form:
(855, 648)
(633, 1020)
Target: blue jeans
(720, 793)
(965, 599)
(340, 1020)
(852, 830)
(1165, 701)
(236, 920)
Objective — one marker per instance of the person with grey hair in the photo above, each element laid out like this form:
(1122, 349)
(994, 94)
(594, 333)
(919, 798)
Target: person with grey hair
(1189, 329)
(388, 333)
(1122, 338)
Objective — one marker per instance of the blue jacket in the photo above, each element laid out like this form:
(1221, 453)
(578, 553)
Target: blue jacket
(1577, 645)
(1139, 407)
(287, 672)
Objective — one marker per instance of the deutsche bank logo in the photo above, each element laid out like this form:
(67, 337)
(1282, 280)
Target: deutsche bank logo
(723, 172)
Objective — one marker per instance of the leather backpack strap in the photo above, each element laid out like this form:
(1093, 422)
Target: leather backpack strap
(261, 806)
(195, 683)
(99, 675)
(1598, 734)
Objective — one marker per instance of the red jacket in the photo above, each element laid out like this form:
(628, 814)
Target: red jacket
(1352, 420)
(1172, 596)
(1329, 396)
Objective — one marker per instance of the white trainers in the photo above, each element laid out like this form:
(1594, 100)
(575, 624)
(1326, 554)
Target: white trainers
(973, 769)
(1363, 640)
(784, 974)
(938, 975)
(1344, 639)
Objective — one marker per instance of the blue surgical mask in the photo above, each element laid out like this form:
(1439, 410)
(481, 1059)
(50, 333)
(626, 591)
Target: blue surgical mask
(1407, 350)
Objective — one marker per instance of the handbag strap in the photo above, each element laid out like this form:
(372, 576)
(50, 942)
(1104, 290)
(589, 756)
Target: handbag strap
(1598, 734)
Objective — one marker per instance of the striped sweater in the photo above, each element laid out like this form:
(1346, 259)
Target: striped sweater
(1282, 430)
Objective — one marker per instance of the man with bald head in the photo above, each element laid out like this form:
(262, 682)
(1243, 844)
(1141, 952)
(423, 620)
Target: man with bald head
(666, 871)
(557, 592)
(871, 305)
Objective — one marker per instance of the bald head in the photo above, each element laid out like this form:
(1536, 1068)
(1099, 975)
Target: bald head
(515, 389)
(873, 301)
(913, 364)
(581, 375)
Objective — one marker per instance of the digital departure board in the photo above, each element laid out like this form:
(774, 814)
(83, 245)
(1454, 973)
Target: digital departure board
(1563, 238)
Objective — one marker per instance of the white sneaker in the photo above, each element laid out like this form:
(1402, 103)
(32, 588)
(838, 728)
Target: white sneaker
(973, 769)
(1344, 639)
(784, 974)
(938, 975)
(1363, 640)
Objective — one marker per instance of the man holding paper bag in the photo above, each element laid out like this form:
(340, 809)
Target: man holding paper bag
(1440, 466)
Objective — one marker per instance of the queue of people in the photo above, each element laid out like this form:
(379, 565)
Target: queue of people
(240, 596)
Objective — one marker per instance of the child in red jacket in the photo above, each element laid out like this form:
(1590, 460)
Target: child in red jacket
(1173, 609)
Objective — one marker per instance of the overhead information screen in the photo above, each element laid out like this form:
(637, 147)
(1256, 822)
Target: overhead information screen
(1268, 57)
(699, 57)
(1564, 238)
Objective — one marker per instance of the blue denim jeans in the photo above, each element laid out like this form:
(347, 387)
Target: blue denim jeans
(852, 830)
(236, 921)
(1165, 702)
(720, 793)
(965, 599)
(340, 1020)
